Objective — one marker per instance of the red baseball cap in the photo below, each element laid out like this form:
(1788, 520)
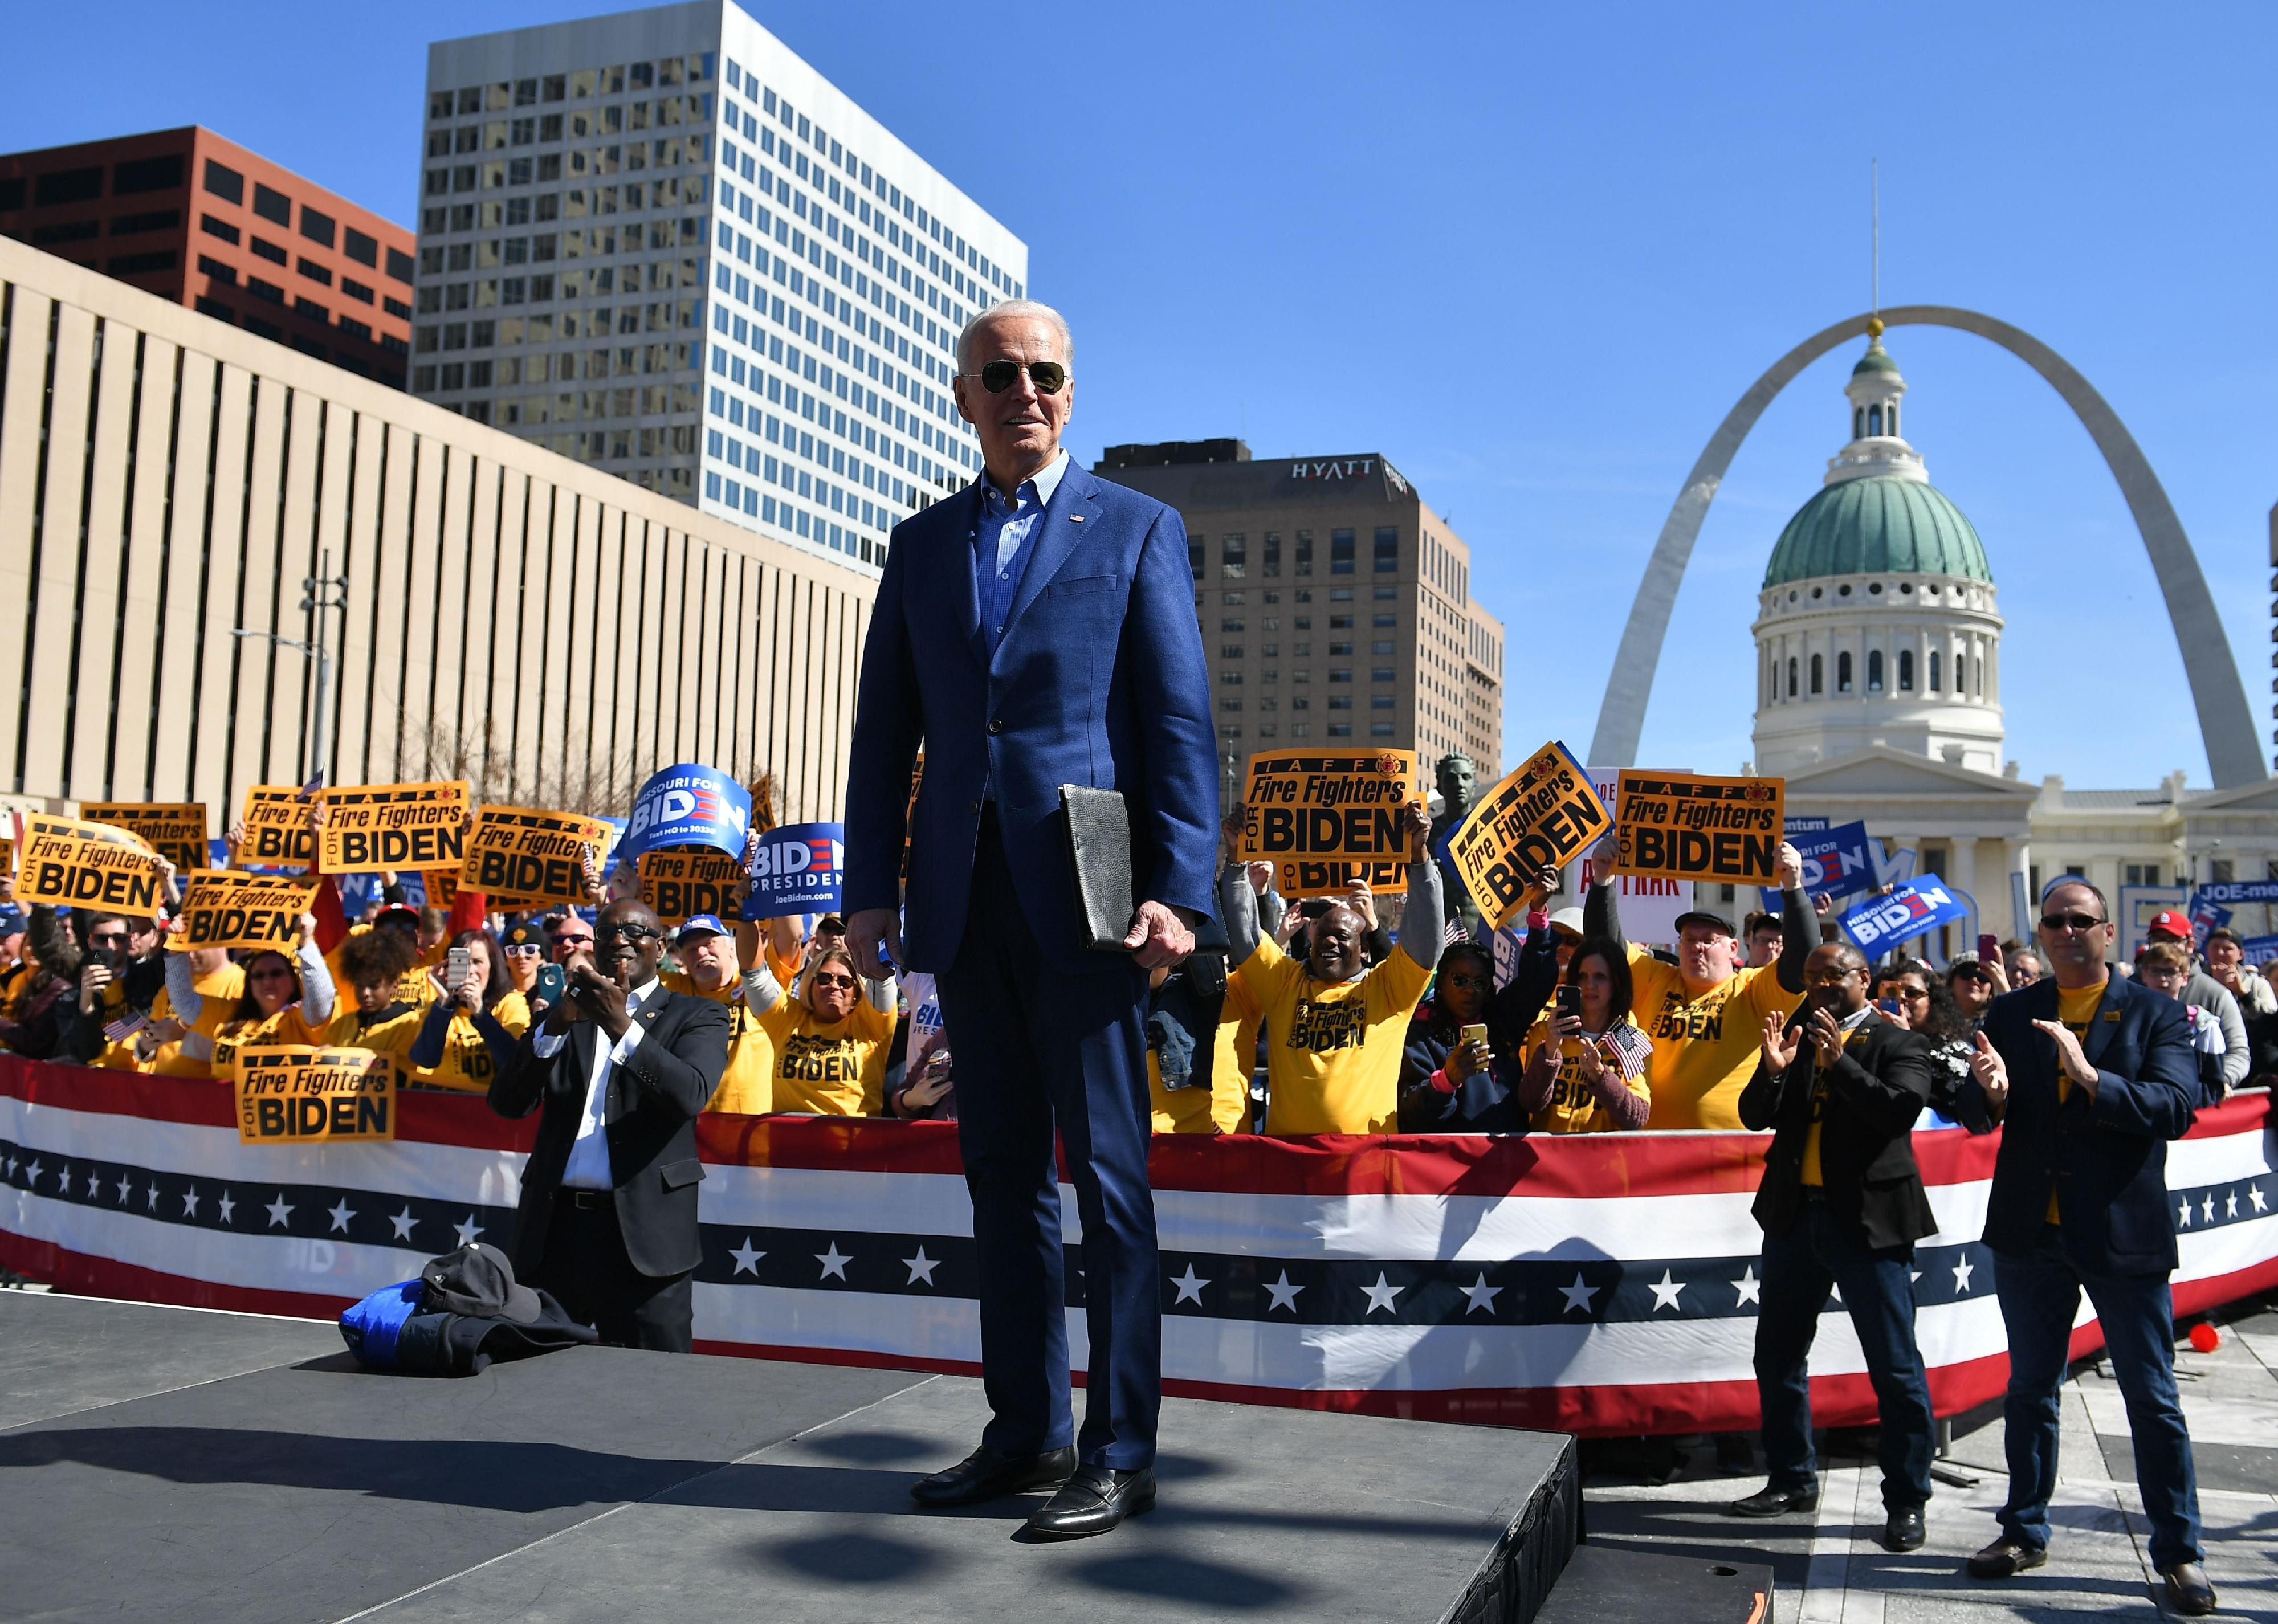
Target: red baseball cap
(2172, 924)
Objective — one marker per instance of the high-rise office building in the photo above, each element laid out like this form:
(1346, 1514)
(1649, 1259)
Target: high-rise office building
(1335, 604)
(202, 222)
(663, 244)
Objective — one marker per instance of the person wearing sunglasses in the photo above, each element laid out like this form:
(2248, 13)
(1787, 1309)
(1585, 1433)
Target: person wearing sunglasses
(829, 1040)
(618, 1070)
(1036, 630)
(2090, 1075)
(120, 977)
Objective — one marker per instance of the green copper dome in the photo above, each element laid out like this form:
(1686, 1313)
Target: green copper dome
(1876, 360)
(1875, 524)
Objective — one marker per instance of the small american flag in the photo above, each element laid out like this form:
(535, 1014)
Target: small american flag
(125, 1026)
(1454, 933)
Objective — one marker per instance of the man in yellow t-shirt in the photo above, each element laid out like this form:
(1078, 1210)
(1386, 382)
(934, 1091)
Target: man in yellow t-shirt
(1223, 1106)
(1337, 1024)
(1705, 1014)
(712, 968)
(830, 1043)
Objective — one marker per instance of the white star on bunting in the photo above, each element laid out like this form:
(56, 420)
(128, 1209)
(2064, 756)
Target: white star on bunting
(126, 1188)
(1578, 1295)
(1283, 1294)
(341, 1216)
(920, 1268)
(228, 1206)
(2184, 1215)
(2254, 1194)
(12, 1167)
(1664, 1291)
(747, 1258)
(403, 1222)
(1962, 1269)
(32, 1174)
(2207, 1211)
(1380, 1294)
(152, 1205)
(94, 1181)
(190, 1202)
(278, 1211)
(834, 1263)
(468, 1233)
(1190, 1287)
(1750, 1288)
(2231, 1205)
(1481, 1295)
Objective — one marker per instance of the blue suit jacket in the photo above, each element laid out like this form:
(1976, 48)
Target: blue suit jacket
(2106, 1158)
(1100, 681)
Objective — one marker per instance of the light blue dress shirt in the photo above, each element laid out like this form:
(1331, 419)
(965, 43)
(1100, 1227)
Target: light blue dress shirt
(1003, 540)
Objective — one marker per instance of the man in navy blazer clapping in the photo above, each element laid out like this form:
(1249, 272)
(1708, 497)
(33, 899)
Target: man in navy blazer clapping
(2089, 1076)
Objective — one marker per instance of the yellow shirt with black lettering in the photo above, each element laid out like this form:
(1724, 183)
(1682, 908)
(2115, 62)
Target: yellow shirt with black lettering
(1333, 1065)
(1574, 1106)
(467, 1066)
(2076, 1007)
(1705, 1048)
(412, 987)
(835, 1069)
(288, 1026)
(1224, 1106)
(747, 1085)
(218, 991)
(392, 1037)
(1809, 1170)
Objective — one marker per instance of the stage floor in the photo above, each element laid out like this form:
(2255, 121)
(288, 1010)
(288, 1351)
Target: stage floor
(167, 1462)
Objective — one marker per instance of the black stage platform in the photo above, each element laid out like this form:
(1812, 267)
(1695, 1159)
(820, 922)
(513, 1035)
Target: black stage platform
(166, 1463)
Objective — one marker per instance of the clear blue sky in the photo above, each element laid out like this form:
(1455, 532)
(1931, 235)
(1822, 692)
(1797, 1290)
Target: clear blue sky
(1532, 254)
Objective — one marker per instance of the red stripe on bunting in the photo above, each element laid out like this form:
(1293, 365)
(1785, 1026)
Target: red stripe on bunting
(422, 1116)
(82, 1274)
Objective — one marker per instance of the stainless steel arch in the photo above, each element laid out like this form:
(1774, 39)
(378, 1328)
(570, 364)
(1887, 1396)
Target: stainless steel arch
(2227, 726)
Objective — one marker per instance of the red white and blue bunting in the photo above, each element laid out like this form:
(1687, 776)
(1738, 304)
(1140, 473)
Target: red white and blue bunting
(1599, 1283)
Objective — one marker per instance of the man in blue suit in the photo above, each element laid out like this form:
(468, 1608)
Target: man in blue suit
(2089, 1076)
(1036, 630)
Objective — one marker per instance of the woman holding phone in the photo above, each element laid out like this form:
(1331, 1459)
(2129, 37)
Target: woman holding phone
(1585, 1068)
(475, 1021)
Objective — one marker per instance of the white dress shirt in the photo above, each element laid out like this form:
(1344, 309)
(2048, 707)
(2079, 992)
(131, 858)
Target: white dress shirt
(588, 1167)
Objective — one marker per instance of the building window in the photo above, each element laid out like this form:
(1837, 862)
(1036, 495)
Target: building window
(1843, 673)
(1380, 729)
(1790, 677)
(1874, 420)
(225, 182)
(1858, 423)
(1341, 553)
(272, 205)
(317, 227)
(1194, 555)
(1387, 549)
(1273, 553)
(1304, 552)
(1819, 679)
(1234, 550)
(1934, 670)
(1905, 671)
(2221, 871)
(2140, 874)
(1874, 671)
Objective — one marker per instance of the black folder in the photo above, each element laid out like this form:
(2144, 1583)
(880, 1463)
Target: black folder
(1099, 861)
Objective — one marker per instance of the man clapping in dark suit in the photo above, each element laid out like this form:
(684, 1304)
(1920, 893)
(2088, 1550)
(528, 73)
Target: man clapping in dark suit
(621, 1067)
(1841, 1205)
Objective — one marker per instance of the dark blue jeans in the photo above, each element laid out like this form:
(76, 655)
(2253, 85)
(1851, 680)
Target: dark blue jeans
(1877, 1290)
(2040, 1293)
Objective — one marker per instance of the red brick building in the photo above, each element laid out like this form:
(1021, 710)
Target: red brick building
(201, 221)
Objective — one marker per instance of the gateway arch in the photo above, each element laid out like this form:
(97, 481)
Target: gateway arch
(2227, 726)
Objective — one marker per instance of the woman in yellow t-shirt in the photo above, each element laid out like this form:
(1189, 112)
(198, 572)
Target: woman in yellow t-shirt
(286, 1001)
(218, 982)
(374, 963)
(1337, 1024)
(467, 1037)
(1585, 1068)
(830, 1043)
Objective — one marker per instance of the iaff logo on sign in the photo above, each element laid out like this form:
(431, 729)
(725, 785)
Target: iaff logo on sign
(289, 1094)
(1543, 814)
(222, 908)
(373, 827)
(679, 885)
(1326, 821)
(798, 869)
(68, 862)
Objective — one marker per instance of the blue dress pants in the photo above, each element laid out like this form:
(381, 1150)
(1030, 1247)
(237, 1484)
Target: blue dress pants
(1038, 1049)
(1877, 1287)
(2040, 1294)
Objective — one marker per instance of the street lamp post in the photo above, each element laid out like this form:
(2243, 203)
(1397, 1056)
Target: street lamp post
(319, 600)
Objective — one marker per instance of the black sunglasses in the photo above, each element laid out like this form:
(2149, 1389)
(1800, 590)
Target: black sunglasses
(631, 932)
(997, 376)
(2070, 921)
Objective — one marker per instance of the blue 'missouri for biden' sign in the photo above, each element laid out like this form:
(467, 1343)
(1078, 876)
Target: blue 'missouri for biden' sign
(688, 804)
(1912, 910)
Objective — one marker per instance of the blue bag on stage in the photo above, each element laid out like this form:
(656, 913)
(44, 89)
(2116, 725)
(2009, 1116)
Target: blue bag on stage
(371, 1327)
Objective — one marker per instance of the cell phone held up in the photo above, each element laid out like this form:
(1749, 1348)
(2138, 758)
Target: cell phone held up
(553, 982)
(458, 965)
(1569, 999)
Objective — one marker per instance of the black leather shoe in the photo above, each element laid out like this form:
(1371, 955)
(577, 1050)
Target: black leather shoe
(2004, 1559)
(1903, 1530)
(988, 1474)
(1093, 1501)
(2188, 1592)
(1775, 1502)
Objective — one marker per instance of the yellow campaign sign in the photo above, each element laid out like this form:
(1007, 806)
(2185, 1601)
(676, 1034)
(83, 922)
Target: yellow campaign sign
(69, 862)
(176, 832)
(288, 1094)
(679, 884)
(1324, 820)
(442, 885)
(276, 828)
(1544, 813)
(373, 826)
(1680, 825)
(521, 854)
(224, 908)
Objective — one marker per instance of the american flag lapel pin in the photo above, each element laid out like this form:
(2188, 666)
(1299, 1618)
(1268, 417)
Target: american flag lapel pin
(1075, 518)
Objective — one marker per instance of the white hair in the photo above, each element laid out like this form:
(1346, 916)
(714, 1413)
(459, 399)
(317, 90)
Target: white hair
(1018, 309)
